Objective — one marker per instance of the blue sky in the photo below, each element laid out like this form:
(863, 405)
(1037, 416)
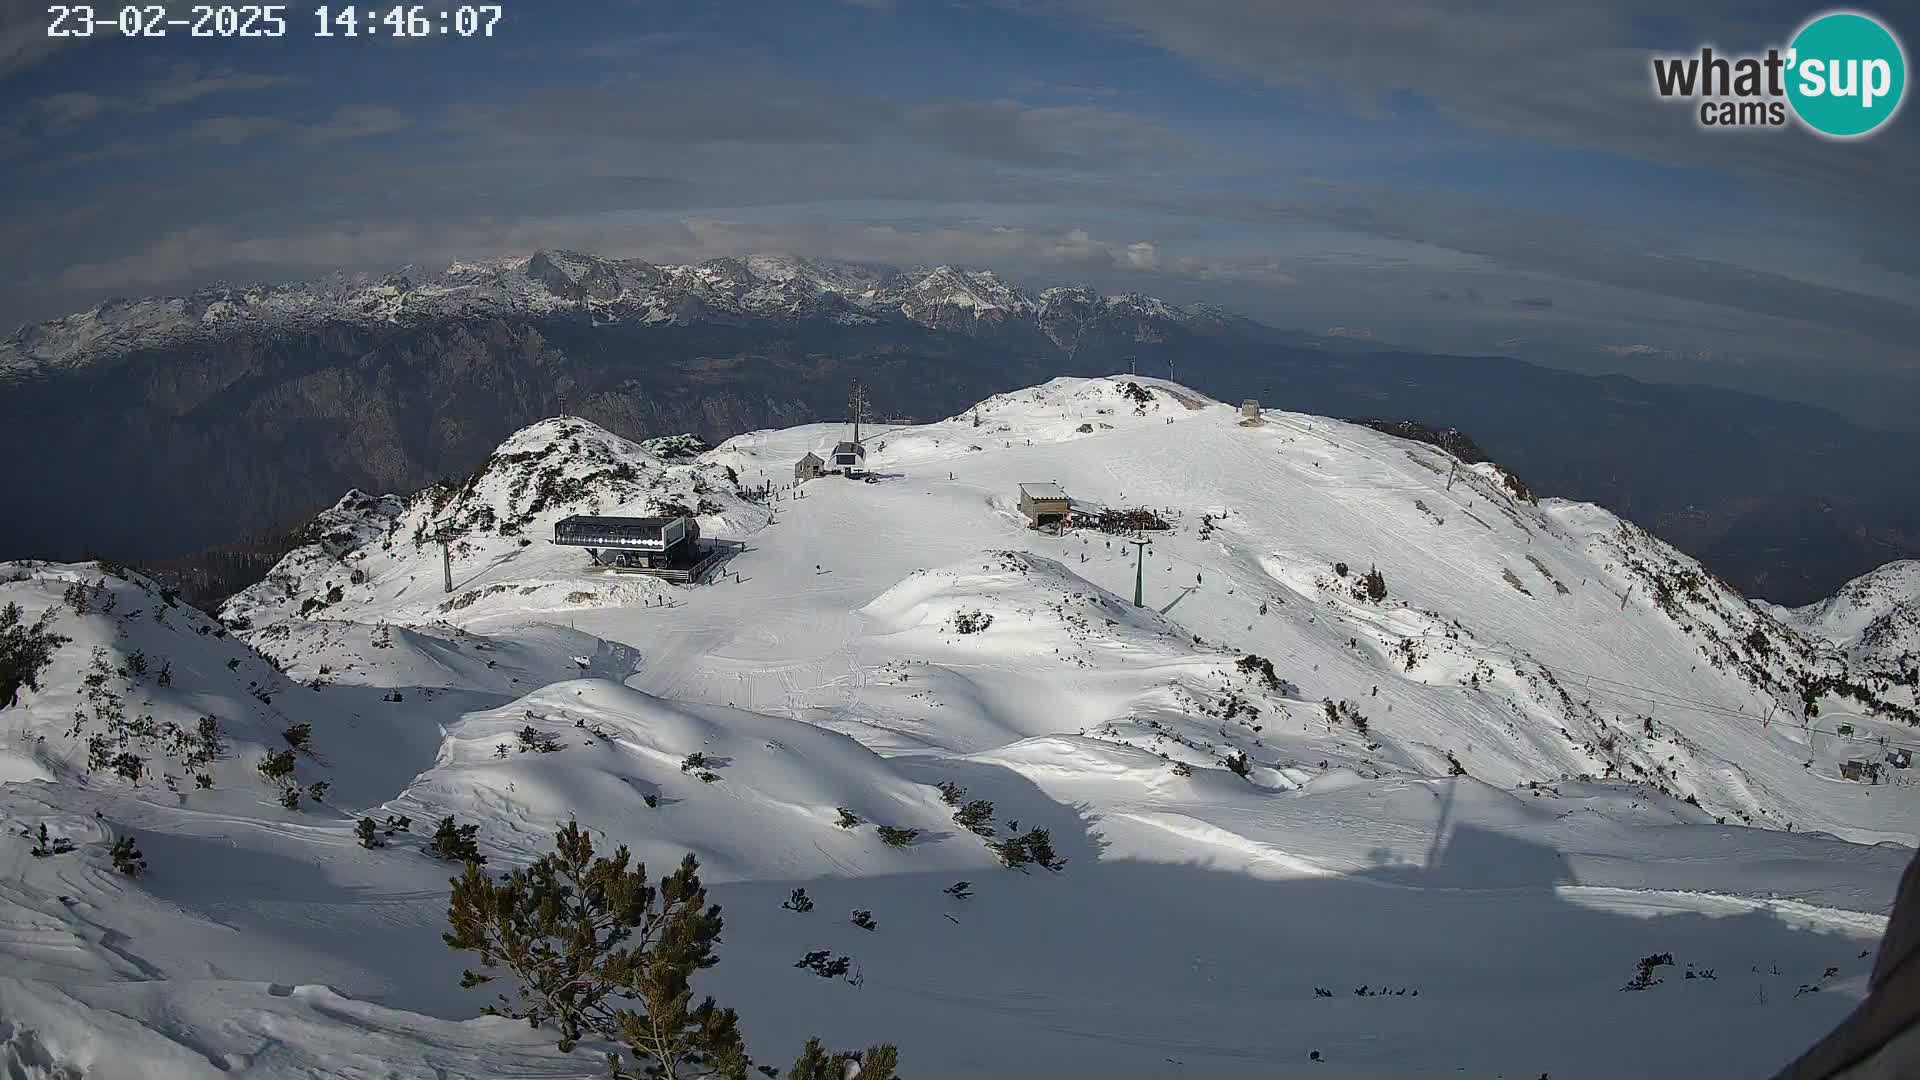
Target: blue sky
(1476, 177)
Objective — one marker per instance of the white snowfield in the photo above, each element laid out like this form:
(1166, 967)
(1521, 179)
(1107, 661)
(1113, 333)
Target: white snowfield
(1471, 806)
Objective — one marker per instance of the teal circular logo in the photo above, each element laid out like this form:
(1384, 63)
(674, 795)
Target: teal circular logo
(1846, 75)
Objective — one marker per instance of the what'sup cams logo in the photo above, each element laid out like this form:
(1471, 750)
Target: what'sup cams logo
(1843, 75)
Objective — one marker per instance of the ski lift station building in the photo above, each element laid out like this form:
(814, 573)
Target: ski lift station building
(632, 543)
(1045, 504)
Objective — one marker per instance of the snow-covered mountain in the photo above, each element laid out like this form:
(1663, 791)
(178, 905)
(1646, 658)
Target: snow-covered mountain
(1395, 772)
(609, 290)
(1875, 618)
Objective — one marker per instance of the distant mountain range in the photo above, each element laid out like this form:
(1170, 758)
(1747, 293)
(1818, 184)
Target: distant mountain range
(614, 292)
(157, 427)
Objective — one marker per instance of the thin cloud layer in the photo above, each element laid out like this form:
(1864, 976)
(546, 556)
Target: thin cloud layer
(1468, 177)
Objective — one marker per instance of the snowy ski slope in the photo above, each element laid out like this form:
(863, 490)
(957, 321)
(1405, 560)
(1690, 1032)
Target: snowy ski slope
(1553, 747)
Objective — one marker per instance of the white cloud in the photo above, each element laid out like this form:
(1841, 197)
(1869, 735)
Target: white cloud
(182, 84)
(61, 111)
(357, 122)
(232, 130)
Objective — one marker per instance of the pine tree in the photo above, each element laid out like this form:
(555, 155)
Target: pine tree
(127, 858)
(897, 837)
(1375, 585)
(454, 843)
(815, 1063)
(25, 650)
(976, 817)
(369, 834)
(601, 953)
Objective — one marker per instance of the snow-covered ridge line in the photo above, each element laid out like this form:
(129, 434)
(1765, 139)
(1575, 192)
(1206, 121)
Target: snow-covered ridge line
(566, 282)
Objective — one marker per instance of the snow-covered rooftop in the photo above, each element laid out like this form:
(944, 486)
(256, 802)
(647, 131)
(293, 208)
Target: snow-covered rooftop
(1043, 490)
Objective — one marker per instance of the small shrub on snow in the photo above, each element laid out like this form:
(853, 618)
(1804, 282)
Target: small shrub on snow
(864, 919)
(299, 736)
(951, 793)
(368, 834)
(1454, 768)
(537, 741)
(823, 963)
(453, 842)
(599, 952)
(695, 760)
(1643, 976)
(290, 797)
(848, 819)
(799, 901)
(1238, 764)
(127, 858)
(129, 766)
(960, 890)
(44, 846)
(277, 767)
(1261, 667)
(1033, 846)
(1181, 768)
(971, 622)
(895, 837)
